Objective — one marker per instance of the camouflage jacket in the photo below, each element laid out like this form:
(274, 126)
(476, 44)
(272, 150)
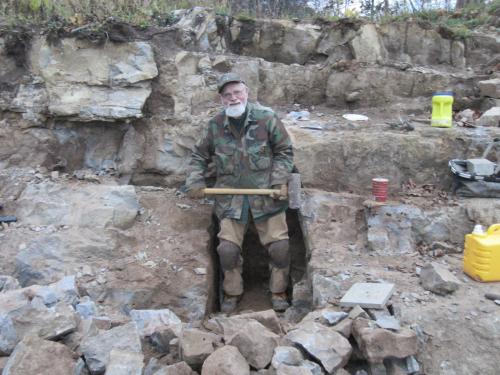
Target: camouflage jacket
(259, 156)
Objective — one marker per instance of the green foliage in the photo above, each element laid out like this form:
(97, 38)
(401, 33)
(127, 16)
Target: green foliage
(244, 17)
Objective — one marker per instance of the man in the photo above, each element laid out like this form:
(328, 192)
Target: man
(251, 149)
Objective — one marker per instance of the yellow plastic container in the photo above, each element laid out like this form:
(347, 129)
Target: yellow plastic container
(482, 254)
(442, 115)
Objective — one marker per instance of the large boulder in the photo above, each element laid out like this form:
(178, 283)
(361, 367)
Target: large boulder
(94, 206)
(84, 86)
(275, 40)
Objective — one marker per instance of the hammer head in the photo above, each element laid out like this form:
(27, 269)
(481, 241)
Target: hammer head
(294, 190)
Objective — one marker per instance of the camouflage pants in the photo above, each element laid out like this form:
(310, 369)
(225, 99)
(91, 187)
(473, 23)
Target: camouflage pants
(272, 230)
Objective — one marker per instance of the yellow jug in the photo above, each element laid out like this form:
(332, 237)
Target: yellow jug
(482, 254)
(442, 115)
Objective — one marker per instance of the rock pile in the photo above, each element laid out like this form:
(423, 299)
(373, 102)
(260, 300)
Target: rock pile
(52, 329)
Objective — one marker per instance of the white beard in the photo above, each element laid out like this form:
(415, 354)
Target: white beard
(235, 111)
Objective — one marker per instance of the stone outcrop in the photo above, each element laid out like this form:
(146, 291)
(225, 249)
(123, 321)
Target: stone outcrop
(107, 85)
(93, 206)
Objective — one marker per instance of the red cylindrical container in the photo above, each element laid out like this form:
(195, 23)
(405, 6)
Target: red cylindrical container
(380, 186)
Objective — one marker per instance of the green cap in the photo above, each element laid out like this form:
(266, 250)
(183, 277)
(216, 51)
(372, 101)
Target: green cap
(228, 78)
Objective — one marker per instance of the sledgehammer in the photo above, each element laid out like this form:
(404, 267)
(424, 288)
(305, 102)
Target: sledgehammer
(294, 190)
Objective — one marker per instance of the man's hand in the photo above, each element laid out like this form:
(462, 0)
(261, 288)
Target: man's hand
(196, 193)
(282, 194)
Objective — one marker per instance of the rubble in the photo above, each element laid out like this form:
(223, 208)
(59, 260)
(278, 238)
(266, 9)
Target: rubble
(113, 262)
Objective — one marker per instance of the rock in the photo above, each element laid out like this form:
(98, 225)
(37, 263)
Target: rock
(86, 308)
(436, 278)
(122, 362)
(467, 115)
(131, 151)
(96, 349)
(388, 322)
(225, 361)
(50, 257)
(344, 327)
(162, 337)
(325, 290)
(221, 64)
(322, 343)
(377, 344)
(439, 247)
(179, 368)
(66, 290)
(31, 100)
(150, 321)
(358, 312)
(19, 318)
(91, 206)
(34, 355)
(280, 40)
(490, 118)
(315, 368)
(408, 365)
(352, 97)
(228, 326)
(196, 346)
(80, 368)
(287, 355)
(101, 89)
(326, 316)
(256, 343)
(366, 45)
(292, 370)
(8, 283)
(267, 318)
(490, 88)
(377, 369)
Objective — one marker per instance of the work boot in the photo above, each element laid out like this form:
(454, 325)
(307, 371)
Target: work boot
(279, 302)
(229, 304)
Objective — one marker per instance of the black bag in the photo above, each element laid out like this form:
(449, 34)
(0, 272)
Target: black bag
(466, 184)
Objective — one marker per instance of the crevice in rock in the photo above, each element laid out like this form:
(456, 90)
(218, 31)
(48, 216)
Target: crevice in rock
(256, 294)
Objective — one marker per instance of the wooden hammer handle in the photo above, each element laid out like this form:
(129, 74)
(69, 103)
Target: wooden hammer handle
(235, 191)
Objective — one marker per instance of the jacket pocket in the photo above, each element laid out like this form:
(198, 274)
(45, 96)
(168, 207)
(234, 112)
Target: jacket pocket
(259, 156)
(225, 159)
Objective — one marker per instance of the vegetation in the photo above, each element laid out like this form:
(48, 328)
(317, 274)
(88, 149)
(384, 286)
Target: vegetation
(459, 16)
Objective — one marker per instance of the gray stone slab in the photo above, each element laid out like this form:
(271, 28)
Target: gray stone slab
(369, 295)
